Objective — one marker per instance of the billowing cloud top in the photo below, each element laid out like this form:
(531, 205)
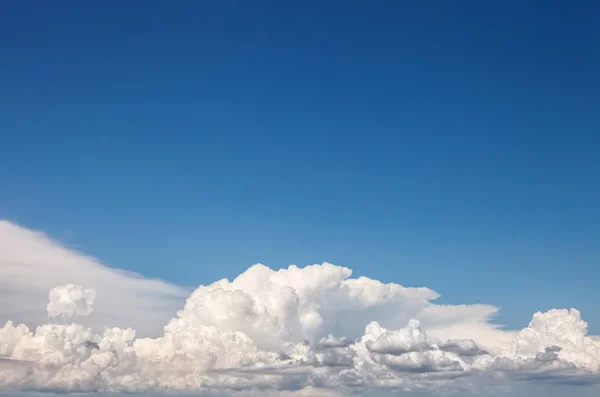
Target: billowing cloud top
(70, 300)
(312, 330)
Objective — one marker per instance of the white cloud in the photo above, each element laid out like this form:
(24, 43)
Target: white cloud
(31, 264)
(300, 331)
(70, 300)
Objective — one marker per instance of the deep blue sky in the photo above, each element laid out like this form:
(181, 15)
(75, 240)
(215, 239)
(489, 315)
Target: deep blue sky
(448, 144)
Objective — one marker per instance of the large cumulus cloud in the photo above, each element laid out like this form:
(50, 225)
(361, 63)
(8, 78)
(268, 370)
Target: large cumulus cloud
(312, 330)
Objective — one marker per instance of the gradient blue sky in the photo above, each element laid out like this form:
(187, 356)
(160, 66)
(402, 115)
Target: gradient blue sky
(422, 143)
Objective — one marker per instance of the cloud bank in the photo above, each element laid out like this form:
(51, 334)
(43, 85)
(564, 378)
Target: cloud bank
(306, 331)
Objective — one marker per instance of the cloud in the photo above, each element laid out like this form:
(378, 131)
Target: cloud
(398, 342)
(297, 331)
(31, 264)
(463, 347)
(70, 300)
(331, 341)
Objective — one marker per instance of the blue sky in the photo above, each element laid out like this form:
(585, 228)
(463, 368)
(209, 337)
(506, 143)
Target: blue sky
(425, 144)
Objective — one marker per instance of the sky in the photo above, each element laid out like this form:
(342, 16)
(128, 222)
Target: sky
(452, 146)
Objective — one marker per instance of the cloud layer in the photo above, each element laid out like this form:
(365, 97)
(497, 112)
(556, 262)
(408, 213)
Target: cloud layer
(312, 330)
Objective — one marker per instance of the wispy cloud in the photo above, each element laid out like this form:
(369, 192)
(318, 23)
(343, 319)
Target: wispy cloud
(31, 264)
